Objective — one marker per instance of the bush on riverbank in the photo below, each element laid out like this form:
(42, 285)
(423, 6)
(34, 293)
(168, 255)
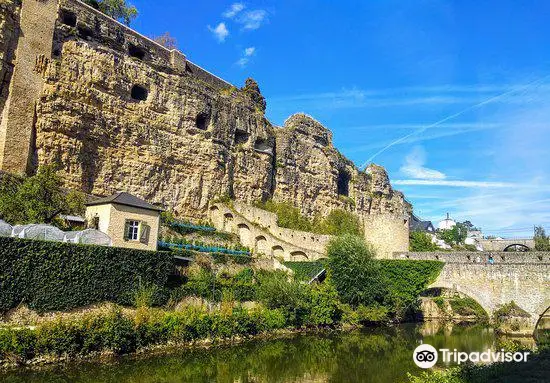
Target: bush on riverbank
(59, 276)
(362, 280)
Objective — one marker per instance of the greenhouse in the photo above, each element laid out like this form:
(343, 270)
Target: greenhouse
(39, 231)
(5, 229)
(88, 237)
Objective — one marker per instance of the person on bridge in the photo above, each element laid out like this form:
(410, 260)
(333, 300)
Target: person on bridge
(491, 260)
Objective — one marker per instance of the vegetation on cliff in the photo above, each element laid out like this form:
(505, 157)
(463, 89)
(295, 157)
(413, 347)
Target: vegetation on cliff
(117, 9)
(542, 241)
(420, 241)
(337, 222)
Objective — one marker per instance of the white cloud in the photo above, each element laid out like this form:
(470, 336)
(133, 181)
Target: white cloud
(220, 32)
(250, 51)
(247, 54)
(252, 19)
(234, 10)
(464, 184)
(414, 166)
(243, 61)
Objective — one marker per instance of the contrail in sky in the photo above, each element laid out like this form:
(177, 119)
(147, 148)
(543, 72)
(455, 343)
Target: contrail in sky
(421, 130)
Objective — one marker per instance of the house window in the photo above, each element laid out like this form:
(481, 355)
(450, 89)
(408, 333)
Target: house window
(132, 230)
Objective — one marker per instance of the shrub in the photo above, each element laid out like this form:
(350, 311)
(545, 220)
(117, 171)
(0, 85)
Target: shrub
(287, 215)
(324, 307)
(59, 276)
(354, 272)
(340, 222)
(420, 241)
(372, 314)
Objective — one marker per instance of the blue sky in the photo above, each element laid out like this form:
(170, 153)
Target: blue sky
(459, 89)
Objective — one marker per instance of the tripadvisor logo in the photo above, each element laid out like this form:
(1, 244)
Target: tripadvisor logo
(426, 356)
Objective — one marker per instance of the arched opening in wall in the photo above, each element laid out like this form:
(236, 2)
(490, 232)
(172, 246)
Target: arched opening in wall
(260, 246)
(516, 247)
(542, 328)
(241, 137)
(139, 93)
(298, 256)
(228, 222)
(278, 252)
(343, 182)
(68, 18)
(214, 208)
(244, 234)
(442, 302)
(137, 52)
(201, 121)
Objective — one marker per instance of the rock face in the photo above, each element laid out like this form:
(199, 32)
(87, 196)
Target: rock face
(316, 177)
(118, 112)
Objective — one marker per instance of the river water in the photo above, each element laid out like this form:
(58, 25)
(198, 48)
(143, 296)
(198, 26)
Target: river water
(381, 355)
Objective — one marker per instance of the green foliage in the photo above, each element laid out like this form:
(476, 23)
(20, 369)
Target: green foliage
(305, 271)
(38, 199)
(120, 334)
(454, 236)
(59, 276)
(467, 306)
(339, 222)
(324, 307)
(287, 215)
(404, 281)
(420, 241)
(372, 314)
(117, 9)
(354, 272)
(542, 241)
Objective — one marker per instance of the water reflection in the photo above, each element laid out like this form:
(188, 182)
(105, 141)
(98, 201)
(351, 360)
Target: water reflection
(378, 355)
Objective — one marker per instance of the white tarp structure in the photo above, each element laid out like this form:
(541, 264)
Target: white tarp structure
(88, 237)
(5, 229)
(40, 231)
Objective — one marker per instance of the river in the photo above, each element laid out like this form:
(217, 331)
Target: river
(377, 355)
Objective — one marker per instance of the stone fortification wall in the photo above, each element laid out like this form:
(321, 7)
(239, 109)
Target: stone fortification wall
(538, 257)
(387, 233)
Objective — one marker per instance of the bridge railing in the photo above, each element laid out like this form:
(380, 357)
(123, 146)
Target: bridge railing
(477, 257)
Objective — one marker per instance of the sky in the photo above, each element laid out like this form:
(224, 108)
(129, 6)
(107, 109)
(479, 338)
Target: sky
(451, 97)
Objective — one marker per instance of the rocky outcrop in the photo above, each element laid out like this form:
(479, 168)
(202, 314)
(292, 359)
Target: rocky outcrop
(313, 175)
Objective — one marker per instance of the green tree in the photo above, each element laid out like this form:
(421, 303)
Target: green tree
(117, 9)
(542, 241)
(454, 236)
(420, 241)
(354, 272)
(39, 199)
(340, 222)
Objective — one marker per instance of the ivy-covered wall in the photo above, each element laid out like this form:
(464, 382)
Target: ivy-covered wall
(57, 276)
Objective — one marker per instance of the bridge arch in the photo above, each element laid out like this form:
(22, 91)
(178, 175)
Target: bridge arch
(485, 304)
(516, 247)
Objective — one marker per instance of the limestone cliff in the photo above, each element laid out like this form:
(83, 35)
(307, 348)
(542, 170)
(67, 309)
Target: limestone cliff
(118, 112)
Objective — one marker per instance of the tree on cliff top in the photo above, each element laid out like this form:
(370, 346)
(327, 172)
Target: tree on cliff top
(117, 9)
(167, 41)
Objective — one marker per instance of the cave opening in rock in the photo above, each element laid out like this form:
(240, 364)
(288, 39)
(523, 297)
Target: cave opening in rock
(343, 182)
(263, 146)
(202, 121)
(139, 93)
(135, 51)
(85, 33)
(241, 137)
(68, 18)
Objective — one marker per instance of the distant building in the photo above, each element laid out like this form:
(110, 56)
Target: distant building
(446, 224)
(130, 221)
(416, 224)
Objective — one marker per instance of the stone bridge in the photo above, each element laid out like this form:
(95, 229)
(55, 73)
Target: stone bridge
(258, 230)
(513, 244)
(523, 278)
